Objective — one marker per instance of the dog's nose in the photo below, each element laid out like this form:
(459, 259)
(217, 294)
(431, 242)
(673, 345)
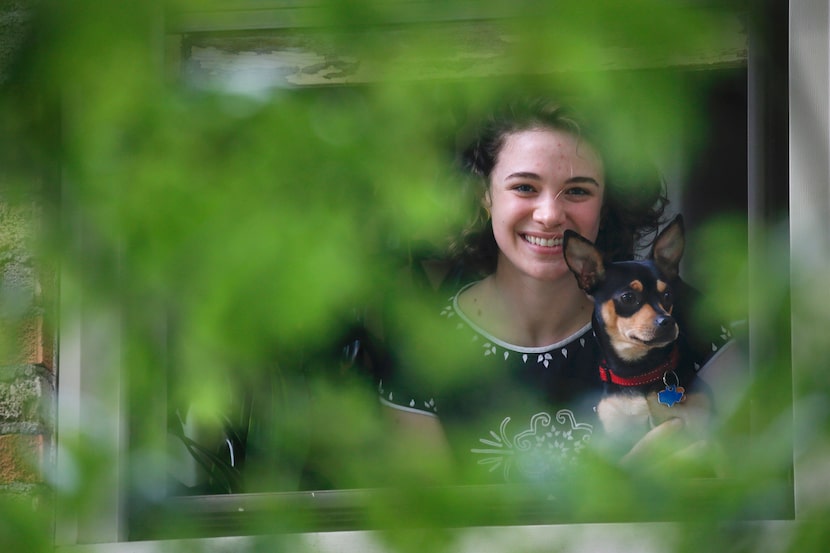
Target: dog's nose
(664, 320)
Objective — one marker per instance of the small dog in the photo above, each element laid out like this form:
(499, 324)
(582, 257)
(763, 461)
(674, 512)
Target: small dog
(633, 303)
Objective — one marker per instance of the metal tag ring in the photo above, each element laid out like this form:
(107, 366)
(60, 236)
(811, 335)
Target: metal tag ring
(666, 381)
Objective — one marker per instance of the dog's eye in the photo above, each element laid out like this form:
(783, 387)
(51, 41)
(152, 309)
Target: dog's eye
(667, 298)
(628, 298)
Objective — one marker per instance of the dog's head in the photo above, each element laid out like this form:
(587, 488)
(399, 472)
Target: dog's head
(633, 299)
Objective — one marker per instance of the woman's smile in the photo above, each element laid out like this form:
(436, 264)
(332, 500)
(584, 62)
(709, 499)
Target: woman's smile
(555, 242)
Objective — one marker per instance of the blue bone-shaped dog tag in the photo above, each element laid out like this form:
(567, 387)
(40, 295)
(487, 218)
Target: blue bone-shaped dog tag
(671, 395)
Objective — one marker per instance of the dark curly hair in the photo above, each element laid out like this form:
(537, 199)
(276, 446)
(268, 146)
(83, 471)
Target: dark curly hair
(634, 199)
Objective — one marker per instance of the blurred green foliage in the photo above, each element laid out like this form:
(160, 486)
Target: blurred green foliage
(244, 238)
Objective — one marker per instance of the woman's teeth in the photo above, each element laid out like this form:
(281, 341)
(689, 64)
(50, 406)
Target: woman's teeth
(547, 242)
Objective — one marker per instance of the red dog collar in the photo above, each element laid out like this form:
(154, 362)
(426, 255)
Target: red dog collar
(607, 375)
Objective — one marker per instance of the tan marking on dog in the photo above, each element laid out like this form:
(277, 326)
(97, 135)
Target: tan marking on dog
(628, 334)
(609, 318)
(626, 348)
(662, 287)
(640, 325)
(636, 285)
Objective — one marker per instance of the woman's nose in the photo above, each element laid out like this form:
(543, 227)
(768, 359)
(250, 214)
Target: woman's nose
(549, 211)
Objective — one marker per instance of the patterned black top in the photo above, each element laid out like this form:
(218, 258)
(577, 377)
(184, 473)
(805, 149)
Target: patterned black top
(511, 413)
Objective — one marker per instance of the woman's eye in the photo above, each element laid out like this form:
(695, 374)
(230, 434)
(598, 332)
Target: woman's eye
(523, 188)
(578, 191)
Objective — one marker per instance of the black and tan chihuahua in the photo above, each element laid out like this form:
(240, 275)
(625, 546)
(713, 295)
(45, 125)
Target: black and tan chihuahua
(633, 304)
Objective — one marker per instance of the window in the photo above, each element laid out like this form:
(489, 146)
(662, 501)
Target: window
(745, 136)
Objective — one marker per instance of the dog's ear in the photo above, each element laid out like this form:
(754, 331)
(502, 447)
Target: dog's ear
(584, 260)
(668, 248)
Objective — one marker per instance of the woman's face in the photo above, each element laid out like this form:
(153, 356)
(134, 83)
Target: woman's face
(544, 181)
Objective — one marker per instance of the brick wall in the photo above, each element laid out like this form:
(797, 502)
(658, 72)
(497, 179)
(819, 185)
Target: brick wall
(27, 341)
(27, 377)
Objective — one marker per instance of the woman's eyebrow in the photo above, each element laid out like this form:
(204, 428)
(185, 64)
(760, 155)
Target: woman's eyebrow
(523, 175)
(580, 180)
(534, 176)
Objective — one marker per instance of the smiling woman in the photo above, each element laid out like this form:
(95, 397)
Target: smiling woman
(517, 398)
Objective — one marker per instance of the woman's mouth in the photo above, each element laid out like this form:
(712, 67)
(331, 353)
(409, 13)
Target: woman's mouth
(544, 242)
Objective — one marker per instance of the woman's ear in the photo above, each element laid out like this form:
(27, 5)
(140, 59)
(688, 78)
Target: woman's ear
(487, 202)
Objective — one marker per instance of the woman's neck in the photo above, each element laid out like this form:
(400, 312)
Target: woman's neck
(527, 312)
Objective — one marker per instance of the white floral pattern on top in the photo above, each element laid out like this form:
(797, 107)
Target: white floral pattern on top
(544, 449)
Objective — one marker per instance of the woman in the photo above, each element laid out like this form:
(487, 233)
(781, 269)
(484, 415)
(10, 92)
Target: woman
(509, 387)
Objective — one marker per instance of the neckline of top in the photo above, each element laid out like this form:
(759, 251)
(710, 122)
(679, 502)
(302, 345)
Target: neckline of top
(507, 345)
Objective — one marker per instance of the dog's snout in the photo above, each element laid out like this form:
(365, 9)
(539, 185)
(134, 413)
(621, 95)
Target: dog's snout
(664, 321)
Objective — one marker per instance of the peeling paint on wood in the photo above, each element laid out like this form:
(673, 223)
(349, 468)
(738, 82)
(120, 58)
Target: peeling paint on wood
(294, 58)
